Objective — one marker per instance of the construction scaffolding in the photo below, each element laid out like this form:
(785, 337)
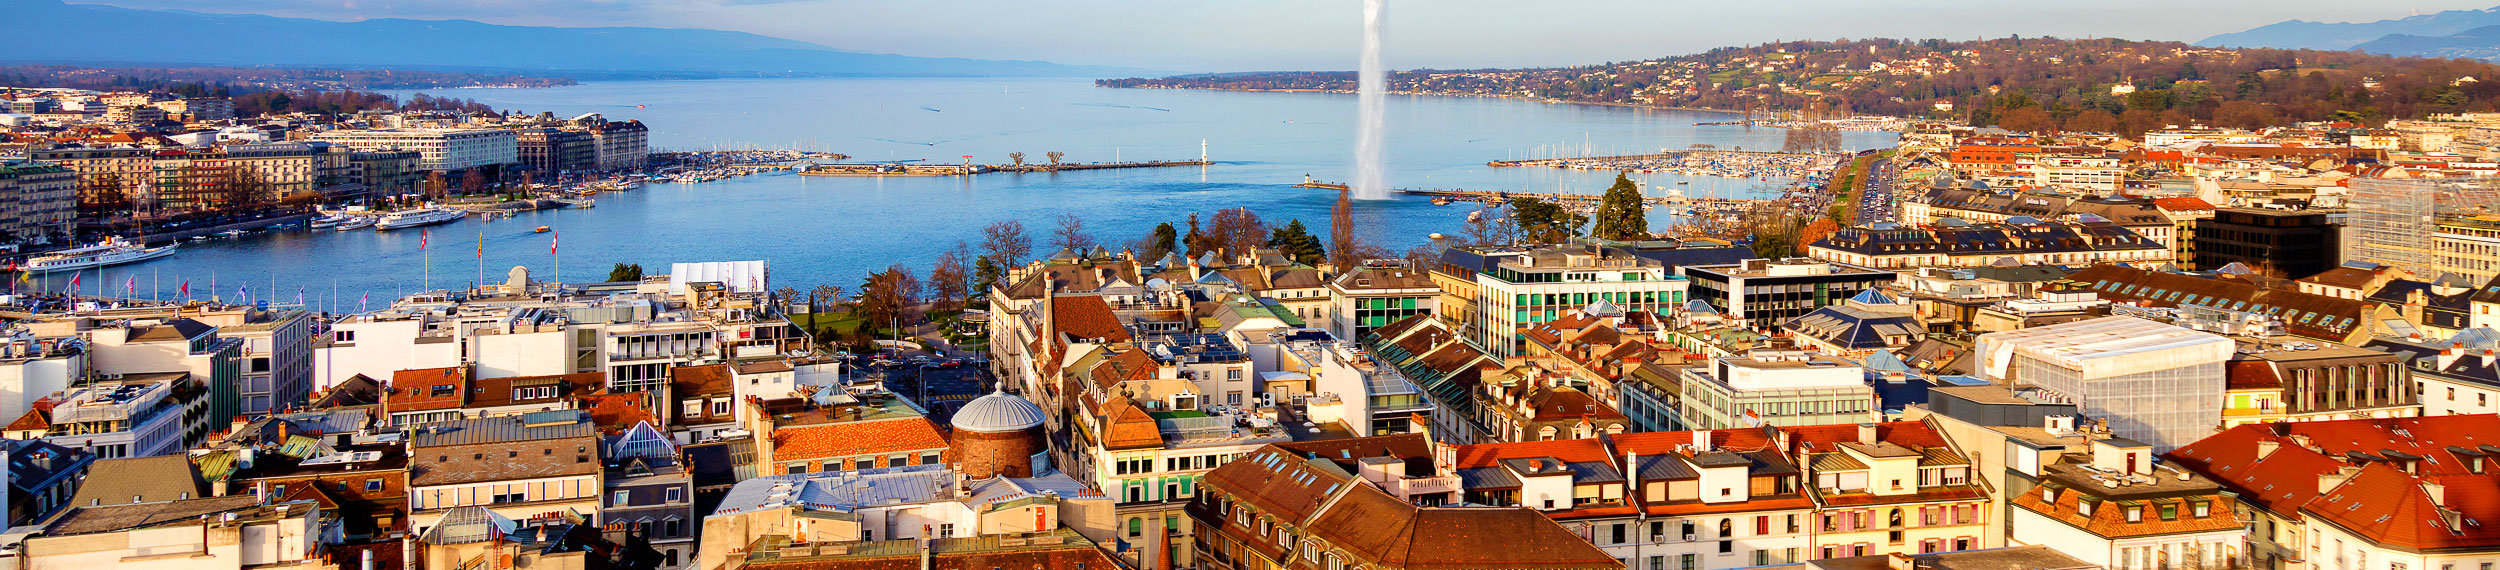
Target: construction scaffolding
(2396, 221)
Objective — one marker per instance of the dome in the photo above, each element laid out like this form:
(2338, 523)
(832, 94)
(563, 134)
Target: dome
(998, 412)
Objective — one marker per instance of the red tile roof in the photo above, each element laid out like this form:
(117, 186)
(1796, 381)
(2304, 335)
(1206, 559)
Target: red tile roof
(2182, 203)
(2252, 375)
(2286, 479)
(1087, 317)
(615, 413)
(2394, 509)
(843, 439)
(416, 390)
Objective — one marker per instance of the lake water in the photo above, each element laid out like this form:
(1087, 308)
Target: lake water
(834, 230)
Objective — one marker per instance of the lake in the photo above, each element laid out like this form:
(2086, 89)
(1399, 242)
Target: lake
(818, 230)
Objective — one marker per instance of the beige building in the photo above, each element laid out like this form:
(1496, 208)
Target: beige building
(192, 534)
(538, 466)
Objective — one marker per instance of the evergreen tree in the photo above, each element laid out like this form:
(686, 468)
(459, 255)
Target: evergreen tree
(1296, 242)
(625, 272)
(1166, 239)
(1620, 214)
(1545, 222)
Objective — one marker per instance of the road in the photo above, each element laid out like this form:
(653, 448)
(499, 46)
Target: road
(1878, 201)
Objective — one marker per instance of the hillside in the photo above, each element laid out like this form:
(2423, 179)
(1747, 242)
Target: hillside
(50, 31)
(2297, 34)
(2029, 83)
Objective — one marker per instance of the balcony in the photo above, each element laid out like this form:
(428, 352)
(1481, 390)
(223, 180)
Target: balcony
(1408, 487)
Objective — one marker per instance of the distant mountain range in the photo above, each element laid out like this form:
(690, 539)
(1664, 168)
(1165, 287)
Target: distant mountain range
(51, 31)
(2473, 34)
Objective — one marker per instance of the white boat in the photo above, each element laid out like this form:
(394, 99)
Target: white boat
(425, 216)
(354, 224)
(112, 251)
(331, 220)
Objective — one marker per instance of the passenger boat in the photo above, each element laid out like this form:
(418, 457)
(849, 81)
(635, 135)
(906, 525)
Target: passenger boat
(354, 224)
(425, 216)
(540, 230)
(330, 220)
(112, 251)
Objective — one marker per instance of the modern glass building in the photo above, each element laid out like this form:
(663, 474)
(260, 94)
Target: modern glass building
(2149, 381)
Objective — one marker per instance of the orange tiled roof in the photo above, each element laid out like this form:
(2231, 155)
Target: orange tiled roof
(844, 439)
(1126, 427)
(2392, 508)
(415, 390)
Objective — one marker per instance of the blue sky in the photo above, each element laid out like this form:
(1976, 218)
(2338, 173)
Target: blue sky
(1238, 35)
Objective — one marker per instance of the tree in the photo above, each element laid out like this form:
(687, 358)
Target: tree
(2092, 121)
(1016, 158)
(1054, 157)
(1620, 214)
(1296, 242)
(947, 282)
(625, 272)
(886, 295)
(1071, 234)
(1545, 222)
(1237, 231)
(1341, 230)
(1005, 244)
(985, 274)
(1197, 240)
(1814, 232)
(1163, 241)
(824, 298)
(1490, 225)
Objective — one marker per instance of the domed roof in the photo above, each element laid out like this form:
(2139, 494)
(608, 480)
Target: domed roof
(998, 412)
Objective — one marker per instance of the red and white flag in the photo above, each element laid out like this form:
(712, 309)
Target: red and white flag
(422, 237)
(553, 237)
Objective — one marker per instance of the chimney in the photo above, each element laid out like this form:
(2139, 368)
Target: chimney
(1866, 433)
(1701, 440)
(1899, 561)
(1631, 474)
(2266, 447)
(2329, 481)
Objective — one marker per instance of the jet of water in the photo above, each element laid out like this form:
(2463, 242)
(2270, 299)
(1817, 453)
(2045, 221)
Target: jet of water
(1371, 178)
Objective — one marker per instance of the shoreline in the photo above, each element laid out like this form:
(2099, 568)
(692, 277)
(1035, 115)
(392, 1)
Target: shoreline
(1456, 95)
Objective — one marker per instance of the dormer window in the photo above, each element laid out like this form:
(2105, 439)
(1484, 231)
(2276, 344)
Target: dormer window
(2135, 514)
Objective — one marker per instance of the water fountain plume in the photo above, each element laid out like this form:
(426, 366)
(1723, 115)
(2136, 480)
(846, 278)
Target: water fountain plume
(1371, 178)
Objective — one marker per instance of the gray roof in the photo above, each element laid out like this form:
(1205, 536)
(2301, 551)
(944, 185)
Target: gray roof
(558, 424)
(140, 480)
(843, 491)
(1663, 467)
(1486, 478)
(110, 518)
(998, 412)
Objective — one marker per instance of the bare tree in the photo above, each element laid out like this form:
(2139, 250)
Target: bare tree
(1237, 231)
(825, 298)
(1016, 158)
(1491, 225)
(1071, 234)
(946, 281)
(1054, 157)
(1341, 231)
(1005, 244)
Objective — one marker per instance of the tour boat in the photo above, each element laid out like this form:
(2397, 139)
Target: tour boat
(112, 251)
(540, 230)
(425, 216)
(354, 224)
(330, 220)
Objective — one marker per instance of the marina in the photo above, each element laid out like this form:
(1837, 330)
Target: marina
(1722, 163)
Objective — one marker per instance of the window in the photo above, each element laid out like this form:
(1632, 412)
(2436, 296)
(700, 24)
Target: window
(2135, 514)
(694, 409)
(720, 407)
(864, 464)
(2170, 512)
(930, 458)
(2202, 509)
(676, 527)
(676, 494)
(373, 484)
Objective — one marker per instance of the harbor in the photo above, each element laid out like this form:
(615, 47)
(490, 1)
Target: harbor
(913, 168)
(1720, 163)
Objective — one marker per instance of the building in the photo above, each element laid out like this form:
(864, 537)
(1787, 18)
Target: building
(1664, 500)
(552, 152)
(202, 533)
(1776, 388)
(2305, 315)
(1516, 288)
(2424, 226)
(1431, 353)
(387, 173)
(440, 150)
(2097, 174)
(2150, 382)
(1274, 508)
(2019, 240)
(2313, 494)
(42, 479)
(830, 431)
(2114, 508)
(1865, 324)
(2306, 381)
(2276, 243)
(539, 466)
(1529, 403)
(1376, 293)
(2185, 212)
(138, 415)
(623, 145)
(909, 517)
(649, 494)
(37, 202)
(1763, 293)
(1980, 204)
(999, 435)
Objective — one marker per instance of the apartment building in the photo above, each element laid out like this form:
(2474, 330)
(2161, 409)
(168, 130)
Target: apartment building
(1518, 288)
(441, 150)
(2112, 507)
(37, 201)
(1763, 293)
(1777, 388)
(1377, 293)
(2152, 382)
(537, 466)
(1274, 508)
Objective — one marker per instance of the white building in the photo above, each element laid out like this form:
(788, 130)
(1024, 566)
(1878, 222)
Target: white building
(1776, 387)
(2151, 382)
(440, 149)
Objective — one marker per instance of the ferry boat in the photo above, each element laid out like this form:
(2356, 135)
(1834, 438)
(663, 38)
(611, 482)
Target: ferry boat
(425, 216)
(112, 251)
(331, 220)
(354, 224)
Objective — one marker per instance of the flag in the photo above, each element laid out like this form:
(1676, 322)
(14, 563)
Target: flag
(73, 280)
(131, 286)
(481, 247)
(243, 294)
(360, 301)
(299, 295)
(422, 236)
(186, 288)
(552, 237)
